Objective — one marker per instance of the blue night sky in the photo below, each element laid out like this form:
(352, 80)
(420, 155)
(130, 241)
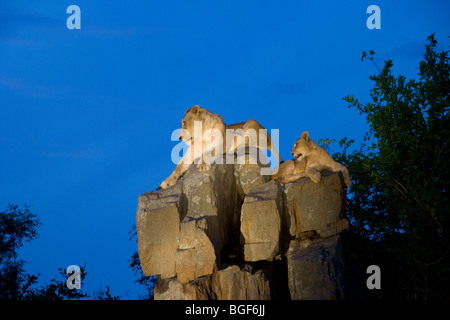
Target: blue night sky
(86, 115)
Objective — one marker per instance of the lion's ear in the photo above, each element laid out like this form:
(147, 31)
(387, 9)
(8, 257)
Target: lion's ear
(195, 109)
(305, 135)
(187, 110)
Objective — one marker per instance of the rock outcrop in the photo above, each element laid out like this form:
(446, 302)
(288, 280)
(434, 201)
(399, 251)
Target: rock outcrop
(232, 233)
(261, 216)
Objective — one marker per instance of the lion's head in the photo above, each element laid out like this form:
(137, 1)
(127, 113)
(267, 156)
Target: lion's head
(302, 147)
(191, 115)
(208, 121)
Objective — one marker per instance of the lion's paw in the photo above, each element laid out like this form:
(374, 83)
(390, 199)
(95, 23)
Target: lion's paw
(315, 177)
(203, 167)
(168, 183)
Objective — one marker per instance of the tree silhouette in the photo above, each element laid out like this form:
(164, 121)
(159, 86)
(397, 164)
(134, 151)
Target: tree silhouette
(18, 226)
(399, 204)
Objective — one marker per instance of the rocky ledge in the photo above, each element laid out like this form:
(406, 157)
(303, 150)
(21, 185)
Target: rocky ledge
(232, 233)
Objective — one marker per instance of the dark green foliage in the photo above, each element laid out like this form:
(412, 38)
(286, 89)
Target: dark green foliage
(18, 226)
(105, 294)
(57, 288)
(399, 204)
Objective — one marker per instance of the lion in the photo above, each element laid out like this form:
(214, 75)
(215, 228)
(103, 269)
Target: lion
(208, 137)
(309, 160)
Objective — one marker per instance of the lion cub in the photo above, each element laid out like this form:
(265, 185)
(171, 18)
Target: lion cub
(309, 160)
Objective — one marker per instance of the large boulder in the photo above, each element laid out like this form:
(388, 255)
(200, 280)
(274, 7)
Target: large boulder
(211, 203)
(212, 197)
(182, 230)
(158, 229)
(316, 269)
(195, 256)
(231, 283)
(250, 171)
(171, 289)
(261, 221)
(241, 283)
(314, 206)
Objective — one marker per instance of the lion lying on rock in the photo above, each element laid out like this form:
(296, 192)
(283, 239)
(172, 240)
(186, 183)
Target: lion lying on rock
(208, 137)
(309, 160)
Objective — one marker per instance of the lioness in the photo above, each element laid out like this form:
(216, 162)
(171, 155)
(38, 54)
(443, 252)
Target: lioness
(206, 134)
(309, 160)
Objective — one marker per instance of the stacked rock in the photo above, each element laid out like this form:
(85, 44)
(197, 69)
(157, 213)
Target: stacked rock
(218, 235)
(315, 258)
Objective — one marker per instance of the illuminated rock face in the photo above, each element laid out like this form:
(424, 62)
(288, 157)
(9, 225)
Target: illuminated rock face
(231, 233)
(314, 206)
(261, 216)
